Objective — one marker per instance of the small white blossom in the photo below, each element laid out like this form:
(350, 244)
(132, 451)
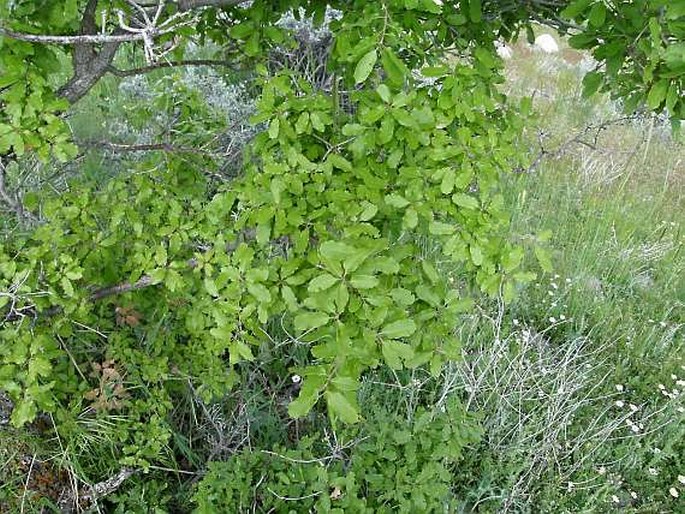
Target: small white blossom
(653, 472)
(681, 479)
(296, 379)
(681, 409)
(516, 322)
(662, 387)
(552, 319)
(619, 404)
(635, 428)
(634, 407)
(633, 495)
(673, 377)
(681, 383)
(614, 498)
(619, 388)
(554, 286)
(673, 492)
(602, 470)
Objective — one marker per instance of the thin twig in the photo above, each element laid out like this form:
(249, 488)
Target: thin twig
(26, 484)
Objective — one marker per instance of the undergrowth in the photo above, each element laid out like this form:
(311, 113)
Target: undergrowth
(568, 399)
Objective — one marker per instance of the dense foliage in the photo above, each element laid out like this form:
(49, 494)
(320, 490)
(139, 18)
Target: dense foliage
(121, 296)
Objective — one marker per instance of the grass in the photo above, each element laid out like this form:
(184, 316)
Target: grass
(578, 383)
(579, 378)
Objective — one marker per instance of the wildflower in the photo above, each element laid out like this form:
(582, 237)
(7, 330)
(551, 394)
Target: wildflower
(602, 470)
(673, 492)
(568, 280)
(619, 388)
(657, 451)
(681, 383)
(662, 324)
(653, 472)
(673, 377)
(633, 495)
(554, 286)
(516, 322)
(614, 498)
(635, 428)
(662, 387)
(681, 479)
(552, 319)
(619, 404)
(296, 379)
(562, 317)
(634, 407)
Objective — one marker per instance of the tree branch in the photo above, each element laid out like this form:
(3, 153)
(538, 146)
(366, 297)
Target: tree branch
(16, 314)
(169, 64)
(90, 39)
(13, 204)
(163, 147)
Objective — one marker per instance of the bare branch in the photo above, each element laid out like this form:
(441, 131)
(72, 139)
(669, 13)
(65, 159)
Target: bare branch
(163, 147)
(169, 64)
(108, 486)
(92, 39)
(13, 203)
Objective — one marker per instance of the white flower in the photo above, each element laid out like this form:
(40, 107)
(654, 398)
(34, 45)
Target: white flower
(602, 470)
(516, 322)
(562, 317)
(635, 428)
(662, 387)
(296, 379)
(653, 472)
(673, 377)
(681, 409)
(614, 498)
(619, 388)
(619, 404)
(634, 407)
(681, 479)
(568, 280)
(633, 495)
(554, 286)
(657, 451)
(673, 492)
(681, 383)
(552, 319)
